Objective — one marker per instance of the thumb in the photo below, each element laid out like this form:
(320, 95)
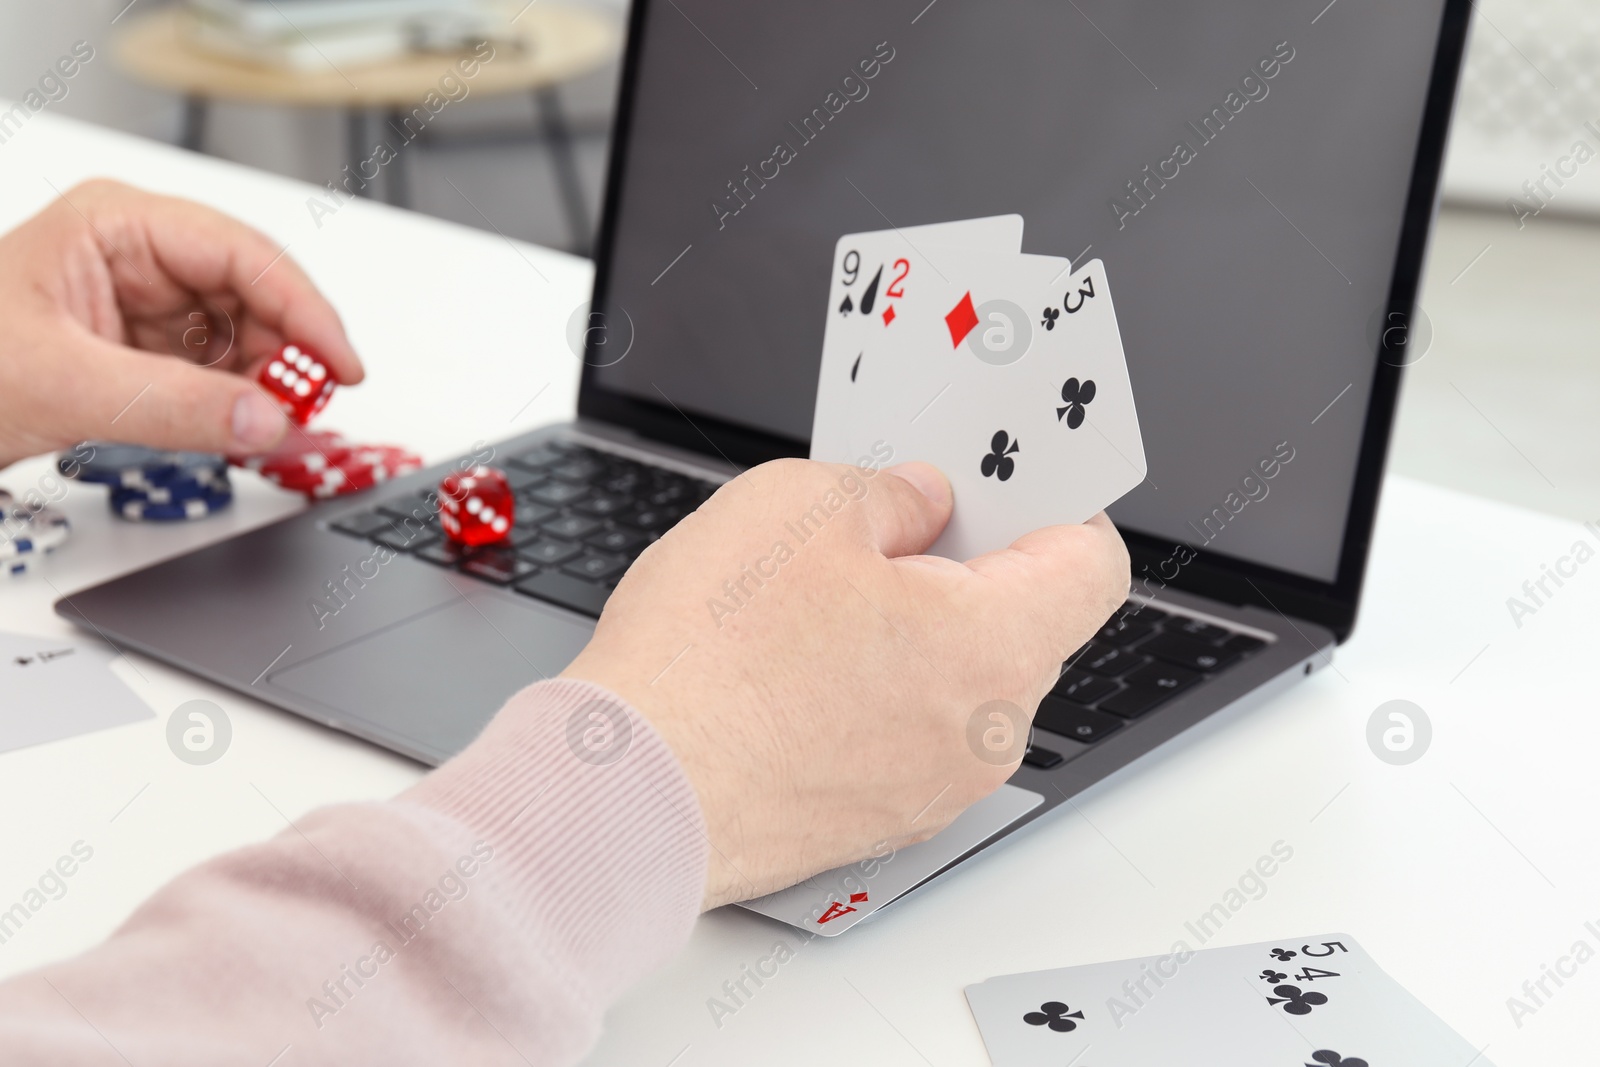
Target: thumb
(164, 402)
(907, 508)
(1065, 581)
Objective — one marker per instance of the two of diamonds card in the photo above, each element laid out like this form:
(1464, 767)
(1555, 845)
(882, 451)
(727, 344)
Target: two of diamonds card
(1005, 370)
(1316, 1001)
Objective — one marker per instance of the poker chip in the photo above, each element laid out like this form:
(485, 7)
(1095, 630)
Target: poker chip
(321, 464)
(173, 490)
(133, 466)
(138, 506)
(26, 536)
(150, 484)
(301, 450)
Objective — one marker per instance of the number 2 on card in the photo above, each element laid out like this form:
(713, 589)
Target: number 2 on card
(896, 288)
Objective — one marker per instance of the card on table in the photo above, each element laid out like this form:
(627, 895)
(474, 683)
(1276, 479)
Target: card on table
(55, 689)
(1315, 1001)
(1004, 370)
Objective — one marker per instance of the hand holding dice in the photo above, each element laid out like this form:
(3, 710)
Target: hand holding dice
(476, 507)
(299, 381)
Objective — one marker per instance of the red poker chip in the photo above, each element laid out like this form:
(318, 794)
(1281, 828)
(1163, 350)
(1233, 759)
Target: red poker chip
(359, 469)
(301, 451)
(322, 464)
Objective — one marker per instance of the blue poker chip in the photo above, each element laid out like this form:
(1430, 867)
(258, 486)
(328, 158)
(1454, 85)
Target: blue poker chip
(137, 505)
(28, 534)
(134, 466)
(173, 489)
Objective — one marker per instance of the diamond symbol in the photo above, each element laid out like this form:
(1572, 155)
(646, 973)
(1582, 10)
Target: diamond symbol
(961, 321)
(857, 898)
(888, 314)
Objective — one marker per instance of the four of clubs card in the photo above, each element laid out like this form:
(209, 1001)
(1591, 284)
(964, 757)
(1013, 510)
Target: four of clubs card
(1006, 371)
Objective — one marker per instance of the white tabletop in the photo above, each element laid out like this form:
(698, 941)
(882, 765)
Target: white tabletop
(1463, 874)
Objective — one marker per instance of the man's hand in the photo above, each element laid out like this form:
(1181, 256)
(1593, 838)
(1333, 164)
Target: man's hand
(116, 311)
(817, 677)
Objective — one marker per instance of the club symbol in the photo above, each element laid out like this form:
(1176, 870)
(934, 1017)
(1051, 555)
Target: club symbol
(1272, 977)
(1050, 317)
(1058, 1017)
(1295, 1001)
(998, 463)
(1329, 1058)
(1076, 396)
(848, 305)
(1284, 955)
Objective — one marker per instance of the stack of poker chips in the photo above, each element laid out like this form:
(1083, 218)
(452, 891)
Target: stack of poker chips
(152, 485)
(320, 464)
(28, 534)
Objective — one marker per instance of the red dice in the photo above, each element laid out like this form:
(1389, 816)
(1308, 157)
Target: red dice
(476, 507)
(299, 382)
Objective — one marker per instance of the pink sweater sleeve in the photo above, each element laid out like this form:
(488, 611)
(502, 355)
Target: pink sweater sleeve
(486, 916)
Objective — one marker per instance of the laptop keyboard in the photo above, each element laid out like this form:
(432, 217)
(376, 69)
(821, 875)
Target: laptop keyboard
(583, 516)
(1141, 658)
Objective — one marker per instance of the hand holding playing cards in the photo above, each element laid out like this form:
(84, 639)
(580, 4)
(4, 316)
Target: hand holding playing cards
(119, 309)
(816, 676)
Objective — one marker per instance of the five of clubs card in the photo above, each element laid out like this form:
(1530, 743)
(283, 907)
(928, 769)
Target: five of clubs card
(948, 345)
(1314, 1001)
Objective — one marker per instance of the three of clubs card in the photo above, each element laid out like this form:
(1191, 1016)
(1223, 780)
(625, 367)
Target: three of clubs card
(1314, 1001)
(949, 345)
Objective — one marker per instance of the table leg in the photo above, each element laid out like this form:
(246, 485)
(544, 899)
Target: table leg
(396, 186)
(355, 139)
(193, 132)
(559, 139)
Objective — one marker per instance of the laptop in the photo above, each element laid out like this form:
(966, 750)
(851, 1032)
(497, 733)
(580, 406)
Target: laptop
(1259, 178)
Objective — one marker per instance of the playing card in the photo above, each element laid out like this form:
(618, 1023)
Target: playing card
(1005, 371)
(60, 688)
(1305, 1002)
(1044, 430)
(1343, 1008)
(834, 901)
(872, 271)
(874, 274)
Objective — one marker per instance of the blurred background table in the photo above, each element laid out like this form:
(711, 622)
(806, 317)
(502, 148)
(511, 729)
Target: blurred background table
(554, 46)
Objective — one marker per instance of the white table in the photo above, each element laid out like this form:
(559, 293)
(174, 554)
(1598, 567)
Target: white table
(1462, 873)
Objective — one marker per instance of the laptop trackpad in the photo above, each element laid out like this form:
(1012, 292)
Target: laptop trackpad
(437, 678)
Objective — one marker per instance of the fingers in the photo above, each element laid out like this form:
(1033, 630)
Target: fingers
(1068, 579)
(162, 402)
(210, 254)
(908, 507)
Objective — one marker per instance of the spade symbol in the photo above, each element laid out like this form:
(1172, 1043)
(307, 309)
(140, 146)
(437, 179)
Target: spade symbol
(870, 297)
(846, 307)
(856, 366)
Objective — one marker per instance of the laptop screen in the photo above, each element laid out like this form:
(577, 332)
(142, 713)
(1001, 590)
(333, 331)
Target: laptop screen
(1242, 167)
